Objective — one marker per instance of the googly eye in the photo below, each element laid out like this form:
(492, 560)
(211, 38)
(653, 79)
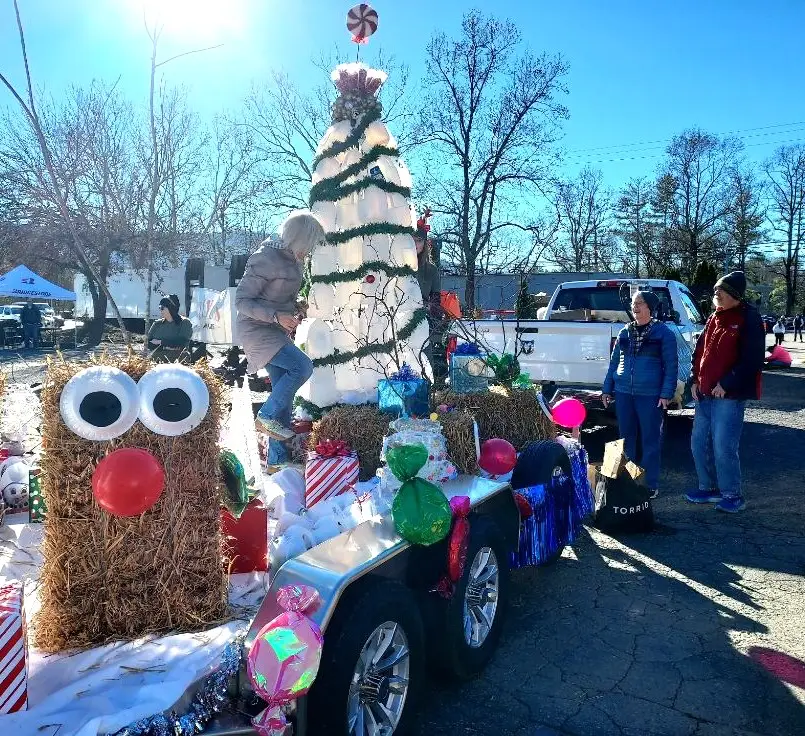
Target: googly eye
(173, 400)
(100, 403)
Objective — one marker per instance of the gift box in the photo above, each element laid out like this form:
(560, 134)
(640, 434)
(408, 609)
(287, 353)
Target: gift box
(468, 374)
(13, 650)
(36, 501)
(403, 398)
(331, 469)
(246, 538)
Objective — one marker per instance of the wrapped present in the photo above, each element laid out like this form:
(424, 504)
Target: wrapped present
(246, 538)
(468, 373)
(331, 469)
(13, 650)
(36, 501)
(403, 394)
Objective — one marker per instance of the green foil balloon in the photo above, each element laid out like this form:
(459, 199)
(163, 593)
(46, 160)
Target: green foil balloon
(405, 461)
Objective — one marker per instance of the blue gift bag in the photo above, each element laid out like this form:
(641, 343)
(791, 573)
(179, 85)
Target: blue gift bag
(468, 374)
(403, 398)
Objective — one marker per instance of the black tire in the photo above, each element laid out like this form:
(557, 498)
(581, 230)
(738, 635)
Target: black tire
(537, 464)
(455, 657)
(344, 640)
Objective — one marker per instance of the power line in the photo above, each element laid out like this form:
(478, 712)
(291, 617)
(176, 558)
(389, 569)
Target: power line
(666, 140)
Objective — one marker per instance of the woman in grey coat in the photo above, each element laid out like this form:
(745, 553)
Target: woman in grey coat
(266, 302)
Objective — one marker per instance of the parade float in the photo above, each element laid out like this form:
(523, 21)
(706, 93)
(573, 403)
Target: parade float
(166, 583)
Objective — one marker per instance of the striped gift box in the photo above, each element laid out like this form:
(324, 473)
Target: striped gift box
(13, 650)
(328, 476)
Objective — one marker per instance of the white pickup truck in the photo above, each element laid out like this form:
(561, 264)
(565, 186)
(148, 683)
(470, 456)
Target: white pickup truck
(570, 347)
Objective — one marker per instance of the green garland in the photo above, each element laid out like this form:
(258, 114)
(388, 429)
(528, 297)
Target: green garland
(315, 411)
(351, 140)
(377, 228)
(333, 194)
(362, 272)
(335, 181)
(338, 358)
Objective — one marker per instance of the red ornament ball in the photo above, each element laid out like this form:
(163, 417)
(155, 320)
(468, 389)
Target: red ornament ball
(498, 457)
(370, 279)
(128, 482)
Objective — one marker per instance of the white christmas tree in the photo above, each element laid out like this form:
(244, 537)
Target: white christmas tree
(365, 315)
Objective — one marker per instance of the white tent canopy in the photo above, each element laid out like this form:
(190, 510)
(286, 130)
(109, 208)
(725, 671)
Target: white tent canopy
(24, 283)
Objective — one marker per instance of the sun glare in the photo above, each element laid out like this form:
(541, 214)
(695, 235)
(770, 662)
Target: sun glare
(192, 20)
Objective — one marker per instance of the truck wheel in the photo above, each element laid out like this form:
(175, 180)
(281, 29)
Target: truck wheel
(372, 666)
(538, 464)
(473, 617)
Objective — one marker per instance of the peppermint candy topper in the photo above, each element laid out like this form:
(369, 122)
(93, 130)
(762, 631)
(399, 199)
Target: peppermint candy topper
(362, 22)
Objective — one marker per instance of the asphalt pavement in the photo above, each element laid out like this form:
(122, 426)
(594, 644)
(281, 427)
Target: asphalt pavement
(695, 629)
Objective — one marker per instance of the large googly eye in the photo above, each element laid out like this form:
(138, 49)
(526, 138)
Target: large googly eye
(173, 399)
(100, 403)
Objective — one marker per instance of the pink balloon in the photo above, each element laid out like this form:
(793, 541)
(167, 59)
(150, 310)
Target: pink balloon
(284, 659)
(569, 413)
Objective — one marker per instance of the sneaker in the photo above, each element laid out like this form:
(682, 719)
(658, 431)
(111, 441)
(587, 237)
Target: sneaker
(653, 493)
(731, 505)
(700, 496)
(274, 429)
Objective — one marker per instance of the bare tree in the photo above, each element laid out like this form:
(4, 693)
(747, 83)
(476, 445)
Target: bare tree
(745, 216)
(700, 164)
(785, 172)
(583, 207)
(490, 116)
(57, 185)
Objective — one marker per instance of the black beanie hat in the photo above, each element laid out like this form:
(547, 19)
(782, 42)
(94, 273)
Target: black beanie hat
(734, 284)
(171, 303)
(651, 299)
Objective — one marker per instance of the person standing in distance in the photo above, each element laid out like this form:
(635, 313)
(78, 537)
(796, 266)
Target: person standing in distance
(31, 320)
(779, 331)
(726, 372)
(642, 374)
(799, 323)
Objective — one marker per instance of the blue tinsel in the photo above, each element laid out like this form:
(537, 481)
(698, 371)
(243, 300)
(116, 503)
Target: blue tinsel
(406, 373)
(209, 700)
(467, 348)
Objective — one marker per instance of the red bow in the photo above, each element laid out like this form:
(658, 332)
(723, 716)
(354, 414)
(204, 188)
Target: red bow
(333, 448)
(422, 222)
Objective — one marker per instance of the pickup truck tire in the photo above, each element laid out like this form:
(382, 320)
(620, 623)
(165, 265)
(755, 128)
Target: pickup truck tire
(470, 623)
(374, 652)
(538, 463)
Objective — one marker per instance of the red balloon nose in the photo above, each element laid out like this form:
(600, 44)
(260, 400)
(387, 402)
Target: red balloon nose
(128, 481)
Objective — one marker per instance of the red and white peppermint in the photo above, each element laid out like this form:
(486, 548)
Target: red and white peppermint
(362, 22)
(13, 650)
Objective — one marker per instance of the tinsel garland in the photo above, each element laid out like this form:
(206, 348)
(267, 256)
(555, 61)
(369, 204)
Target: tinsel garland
(316, 411)
(333, 194)
(351, 140)
(359, 274)
(550, 527)
(377, 228)
(340, 178)
(209, 700)
(338, 358)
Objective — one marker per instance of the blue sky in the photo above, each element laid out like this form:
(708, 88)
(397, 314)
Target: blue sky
(640, 71)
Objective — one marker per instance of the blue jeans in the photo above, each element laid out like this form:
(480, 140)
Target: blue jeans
(639, 416)
(714, 443)
(288, 370)
(30, 333)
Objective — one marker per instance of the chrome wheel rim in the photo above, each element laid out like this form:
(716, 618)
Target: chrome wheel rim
(379, 684)
(481, 597)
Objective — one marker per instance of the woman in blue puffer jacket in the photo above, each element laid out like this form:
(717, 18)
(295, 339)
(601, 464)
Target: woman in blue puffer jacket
(642, 376)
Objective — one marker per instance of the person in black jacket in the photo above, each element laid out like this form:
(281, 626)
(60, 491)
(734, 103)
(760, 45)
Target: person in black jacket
(31, 320)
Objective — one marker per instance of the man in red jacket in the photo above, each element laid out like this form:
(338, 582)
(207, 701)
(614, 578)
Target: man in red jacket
(726, 372)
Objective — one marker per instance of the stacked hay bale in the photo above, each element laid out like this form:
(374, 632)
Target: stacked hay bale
(511, 414)
(108, 577)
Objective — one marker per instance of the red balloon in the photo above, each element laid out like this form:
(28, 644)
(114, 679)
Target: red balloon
(498, 457)
(128, 481)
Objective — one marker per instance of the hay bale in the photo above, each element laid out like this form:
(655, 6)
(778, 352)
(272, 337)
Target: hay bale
(363, 427)
(513, 415)
(458, 431)
(110, 578)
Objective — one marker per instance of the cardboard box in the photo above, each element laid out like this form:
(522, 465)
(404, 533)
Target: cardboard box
(616, 462)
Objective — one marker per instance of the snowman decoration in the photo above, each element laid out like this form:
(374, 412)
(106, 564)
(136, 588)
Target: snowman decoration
(365, 314)
(14, 473)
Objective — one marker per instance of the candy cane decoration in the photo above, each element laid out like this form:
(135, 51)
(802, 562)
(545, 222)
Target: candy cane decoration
(362, 22)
